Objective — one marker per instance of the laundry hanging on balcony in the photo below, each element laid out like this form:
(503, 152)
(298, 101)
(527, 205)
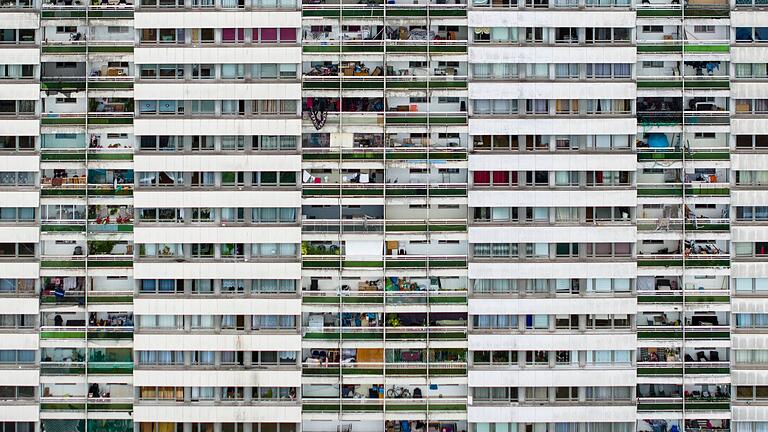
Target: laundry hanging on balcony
(318, 111)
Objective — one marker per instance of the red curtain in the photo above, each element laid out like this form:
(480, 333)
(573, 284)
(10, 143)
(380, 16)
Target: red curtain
(482, 177)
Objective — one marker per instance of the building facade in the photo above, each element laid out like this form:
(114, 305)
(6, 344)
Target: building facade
(397, 216)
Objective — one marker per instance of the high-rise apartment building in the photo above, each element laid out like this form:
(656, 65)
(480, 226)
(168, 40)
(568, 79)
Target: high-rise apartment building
(383, 216)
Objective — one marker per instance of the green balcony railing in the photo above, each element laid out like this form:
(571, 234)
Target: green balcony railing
(110, 368)
(106, 155)
(62, 156)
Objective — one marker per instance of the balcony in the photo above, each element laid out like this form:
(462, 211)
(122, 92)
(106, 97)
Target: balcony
(689, 83)
(382, 83)
(110, 83)
(400, 334)
(432, 369)
(100, 254)
(313, 46)
(676, 189)
(335, 405)
(110, 297)
(83, 48)
(78, 403)
(410, 261)
(388, 118)
(79, 119)
(385, 297)
(674, 45)
(23, 5)
(382, 155)
(79, 332)
(60, 290)
(365, 225)
(99, 9)
(382, 190)
(70, 183)
(660, 369)
(676, 224)
(62, 367)
(333, 9)
(676, 260)
(693, 334)
(693, 9)
(646, 154)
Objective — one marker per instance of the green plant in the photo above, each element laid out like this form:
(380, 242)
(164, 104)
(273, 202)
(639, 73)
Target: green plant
(393, 321)
(101, 247)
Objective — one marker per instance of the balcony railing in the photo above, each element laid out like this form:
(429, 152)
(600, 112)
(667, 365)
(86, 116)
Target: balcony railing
(714, 46)
(94, 118)
(384, 190)
(709, 9)
(676, 368)
(397, 11)
(79, 261)
(79, 332)
(62, 368)
(405, 334)
(676, 224)
(676, 153)
(399, 262)
(410, 82)
(434, 404)
(691, 332)
(335, 46)
(91, 47)
(713, 82)
(110, 82)
(391, 118)
(391, 369)
(394, 152)
(676, 189)
(701, 296)
(78, 403)
(391, 298)
(676, 260)
(348, 226)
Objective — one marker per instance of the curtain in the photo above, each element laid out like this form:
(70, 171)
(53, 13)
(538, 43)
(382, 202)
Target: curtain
(482, 249)
(500, 177)
(482, 70)
(287, 35)
(287, 321)
(267, 34)
(484, 321)
(482, 177)
(500, 34)
(482, 106)
(501, 106)
(621, 70)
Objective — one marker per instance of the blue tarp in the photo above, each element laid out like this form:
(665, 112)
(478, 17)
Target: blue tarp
(657, 140)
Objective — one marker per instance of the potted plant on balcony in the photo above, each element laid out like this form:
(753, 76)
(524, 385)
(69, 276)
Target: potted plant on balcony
(393, 321)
